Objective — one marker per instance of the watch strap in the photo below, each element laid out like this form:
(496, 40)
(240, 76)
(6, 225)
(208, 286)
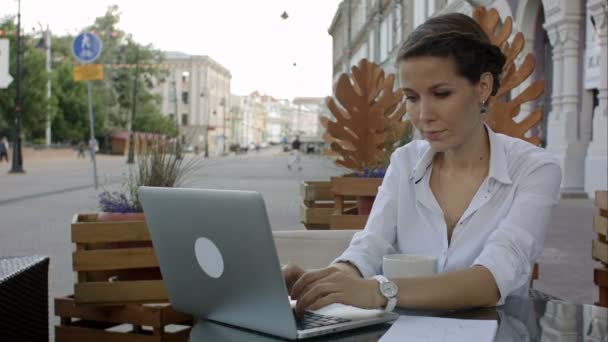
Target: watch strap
(391, 302)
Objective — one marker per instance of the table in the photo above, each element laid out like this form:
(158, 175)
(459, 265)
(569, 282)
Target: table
(521, 319)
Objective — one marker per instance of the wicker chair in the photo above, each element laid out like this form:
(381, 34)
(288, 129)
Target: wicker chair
(24, 301)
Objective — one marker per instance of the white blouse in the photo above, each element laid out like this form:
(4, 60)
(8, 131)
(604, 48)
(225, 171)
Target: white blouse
(503, 228)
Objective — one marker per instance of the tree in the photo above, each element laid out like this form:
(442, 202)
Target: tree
(121, 49)
(33, 86)
(112, 97)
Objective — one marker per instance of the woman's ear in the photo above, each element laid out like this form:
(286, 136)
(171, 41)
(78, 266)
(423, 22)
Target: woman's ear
(486, 82)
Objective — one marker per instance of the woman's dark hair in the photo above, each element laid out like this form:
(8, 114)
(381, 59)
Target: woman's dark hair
(457, 36)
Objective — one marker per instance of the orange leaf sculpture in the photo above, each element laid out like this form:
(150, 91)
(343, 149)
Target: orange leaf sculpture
(368, 113)
(501, 113)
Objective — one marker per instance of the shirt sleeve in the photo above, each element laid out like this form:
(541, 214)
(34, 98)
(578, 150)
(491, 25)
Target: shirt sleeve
(378, 238)
(518, 241)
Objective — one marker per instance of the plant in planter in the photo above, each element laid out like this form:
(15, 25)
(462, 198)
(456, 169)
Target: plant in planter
(369, 126)
(157, 165)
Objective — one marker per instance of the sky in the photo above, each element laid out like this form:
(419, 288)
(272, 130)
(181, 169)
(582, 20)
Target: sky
(281, 58)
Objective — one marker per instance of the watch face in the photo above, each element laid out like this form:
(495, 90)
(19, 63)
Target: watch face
(389, 289)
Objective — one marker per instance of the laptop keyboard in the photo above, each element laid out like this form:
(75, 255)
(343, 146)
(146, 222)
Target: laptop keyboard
(312, 320)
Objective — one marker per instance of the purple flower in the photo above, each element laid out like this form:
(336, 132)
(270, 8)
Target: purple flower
(367, 172)
(116, 202)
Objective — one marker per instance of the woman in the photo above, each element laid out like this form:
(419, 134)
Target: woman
(478, 201)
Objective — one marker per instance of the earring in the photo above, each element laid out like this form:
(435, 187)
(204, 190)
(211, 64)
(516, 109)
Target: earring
(484, 107)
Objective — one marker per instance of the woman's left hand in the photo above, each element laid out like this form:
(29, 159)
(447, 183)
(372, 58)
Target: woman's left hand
(330, 285)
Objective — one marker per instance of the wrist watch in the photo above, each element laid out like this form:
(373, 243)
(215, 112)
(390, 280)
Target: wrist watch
(389, 290)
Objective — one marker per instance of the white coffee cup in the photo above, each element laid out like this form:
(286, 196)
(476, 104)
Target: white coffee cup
(408, 265)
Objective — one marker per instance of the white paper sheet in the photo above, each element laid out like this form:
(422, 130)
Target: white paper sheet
(344, 311)
(434, 329)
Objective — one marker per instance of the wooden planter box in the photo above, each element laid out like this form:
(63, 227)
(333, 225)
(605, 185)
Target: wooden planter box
(144, 323)
(599, 247)
(104, 248)
(344, 217)
(600, 226)
(318, 204)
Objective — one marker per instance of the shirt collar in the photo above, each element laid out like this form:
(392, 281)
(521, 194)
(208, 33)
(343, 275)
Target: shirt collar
(499, 170)
(498, 160)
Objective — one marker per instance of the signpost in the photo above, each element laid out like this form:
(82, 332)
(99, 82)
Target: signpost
(86, 48)
(5, 78)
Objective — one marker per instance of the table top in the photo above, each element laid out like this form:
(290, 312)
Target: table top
(520, 319)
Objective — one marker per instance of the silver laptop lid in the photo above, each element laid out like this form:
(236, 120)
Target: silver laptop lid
(217, 257)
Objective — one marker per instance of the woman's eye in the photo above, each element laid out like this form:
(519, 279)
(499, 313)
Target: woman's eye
(443, 95)
(410, 98)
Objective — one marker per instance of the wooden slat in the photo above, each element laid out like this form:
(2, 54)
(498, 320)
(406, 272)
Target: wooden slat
(113, 259)
(315, 215)
(79, 334)
(352, 186)
(601, 200)
(600, 276)
(316, 191)
(180, 336)
(82, 276)
(120, 292)
(110, 232)
(348, 221)
(534, 275)
(156, 315)
(599, 251)
(78, 218)
(600, 225)
(316, 226)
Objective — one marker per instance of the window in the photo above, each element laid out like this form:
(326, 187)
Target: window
(184, 119)
(171, 116)
(184, 97)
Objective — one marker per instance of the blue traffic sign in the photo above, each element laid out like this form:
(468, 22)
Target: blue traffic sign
(86, 47)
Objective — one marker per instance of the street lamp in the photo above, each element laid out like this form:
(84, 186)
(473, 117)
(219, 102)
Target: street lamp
(17, 165)
(131, 158)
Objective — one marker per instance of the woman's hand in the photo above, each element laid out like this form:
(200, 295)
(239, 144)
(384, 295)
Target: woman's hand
(291, 273)
(316, 289)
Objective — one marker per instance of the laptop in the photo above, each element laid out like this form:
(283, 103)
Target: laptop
(218, 260)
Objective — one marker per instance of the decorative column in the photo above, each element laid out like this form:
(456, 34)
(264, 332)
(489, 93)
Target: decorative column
(564, 129)
(596, 164)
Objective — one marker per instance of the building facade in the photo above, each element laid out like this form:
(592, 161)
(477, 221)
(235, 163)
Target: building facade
(263, 119)
(306, 119)
(568, 39)
(196, 93)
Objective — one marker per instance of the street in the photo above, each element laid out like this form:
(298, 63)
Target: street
(36, 209)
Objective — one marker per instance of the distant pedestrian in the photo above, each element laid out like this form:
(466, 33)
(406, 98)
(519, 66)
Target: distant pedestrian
(81, 148)
(295, 158)
(3, 150)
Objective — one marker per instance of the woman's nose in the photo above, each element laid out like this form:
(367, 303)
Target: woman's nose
(425, 111)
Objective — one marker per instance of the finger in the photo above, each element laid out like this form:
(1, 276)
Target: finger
(307, 279)
(332, 278)
(291, 273)
(309, 297)
(324, 301)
